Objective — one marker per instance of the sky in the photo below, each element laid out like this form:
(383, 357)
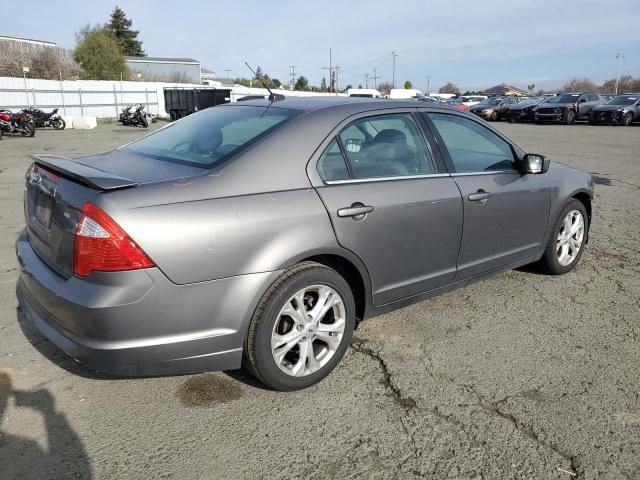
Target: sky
(474, 44)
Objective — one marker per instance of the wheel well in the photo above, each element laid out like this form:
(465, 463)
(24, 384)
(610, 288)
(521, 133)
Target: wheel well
(350, 273)
(585, 199)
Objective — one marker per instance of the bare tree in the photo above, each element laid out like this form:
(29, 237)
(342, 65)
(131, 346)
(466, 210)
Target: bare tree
(385, 88)
(449, 88)
(43, 61)
(580, 85)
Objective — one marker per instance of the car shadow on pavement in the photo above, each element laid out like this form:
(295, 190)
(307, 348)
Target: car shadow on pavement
(22, 457)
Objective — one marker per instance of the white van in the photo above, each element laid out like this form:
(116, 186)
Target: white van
(363, 92)
(398, 93)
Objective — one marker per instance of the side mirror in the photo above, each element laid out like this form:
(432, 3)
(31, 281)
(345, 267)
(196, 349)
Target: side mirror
(534, 163)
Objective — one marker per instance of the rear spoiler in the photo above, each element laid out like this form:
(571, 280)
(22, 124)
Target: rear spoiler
(87, 175)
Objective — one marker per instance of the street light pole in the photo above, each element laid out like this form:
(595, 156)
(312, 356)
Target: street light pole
(394, 68)
(428, 85)
(620, 57)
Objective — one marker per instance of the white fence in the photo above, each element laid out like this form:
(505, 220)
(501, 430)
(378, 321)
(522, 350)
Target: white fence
(96, 98)
(101, 98)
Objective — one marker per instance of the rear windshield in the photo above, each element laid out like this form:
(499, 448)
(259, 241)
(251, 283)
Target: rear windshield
(208, 137)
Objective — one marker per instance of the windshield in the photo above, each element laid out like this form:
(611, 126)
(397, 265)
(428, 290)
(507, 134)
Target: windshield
(490, 101)
(205, 138)
(564, 98)
(529, 101)
(622, 100)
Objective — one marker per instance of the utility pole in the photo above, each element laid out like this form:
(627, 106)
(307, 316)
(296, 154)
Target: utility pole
(394, 68)
(292, 72)
(330, 68)
(375, 79)
(337, 69)
(620, 57)
(228, 76)
(366, 80)
(428, 84)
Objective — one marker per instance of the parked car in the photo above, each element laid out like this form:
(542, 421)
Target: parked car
(466, 102)
(621, 110)
(426, 99)
(494, 108)
(524, 111)
(260, 233)
(568, 107)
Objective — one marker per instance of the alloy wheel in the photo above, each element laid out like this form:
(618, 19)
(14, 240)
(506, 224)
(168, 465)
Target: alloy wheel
(308, 331)
(570, 238)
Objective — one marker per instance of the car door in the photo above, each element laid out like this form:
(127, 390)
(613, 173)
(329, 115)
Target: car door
(505, 212)
(391, 205)
(586, 103)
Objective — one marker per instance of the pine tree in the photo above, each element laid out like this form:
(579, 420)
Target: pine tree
(120, 27)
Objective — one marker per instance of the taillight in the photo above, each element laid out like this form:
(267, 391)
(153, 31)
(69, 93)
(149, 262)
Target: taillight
(101, 244)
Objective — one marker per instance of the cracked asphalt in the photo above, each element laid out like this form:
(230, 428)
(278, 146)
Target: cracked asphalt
(520, 376)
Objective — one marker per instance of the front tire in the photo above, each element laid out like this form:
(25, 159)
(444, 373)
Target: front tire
(570, 117)
(567, 240)
(59, 124)
(627, 120)
(301, 328)
(494, 116)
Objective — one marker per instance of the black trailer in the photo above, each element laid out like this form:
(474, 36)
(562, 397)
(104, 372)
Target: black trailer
(183, 101)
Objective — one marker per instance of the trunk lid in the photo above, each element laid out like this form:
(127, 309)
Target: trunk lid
(58, 187)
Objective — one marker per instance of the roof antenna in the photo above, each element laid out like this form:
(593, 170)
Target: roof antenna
(272, 96)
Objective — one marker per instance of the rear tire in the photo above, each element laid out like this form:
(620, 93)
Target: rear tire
(565, 248)
(286, 329)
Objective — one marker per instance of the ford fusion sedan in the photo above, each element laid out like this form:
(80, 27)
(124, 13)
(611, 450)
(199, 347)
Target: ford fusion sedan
(567, 108)
(494, 108)
(524, 111)
(260, 233)
(620, 110)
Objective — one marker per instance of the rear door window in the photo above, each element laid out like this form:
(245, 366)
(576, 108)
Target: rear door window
(386, 146)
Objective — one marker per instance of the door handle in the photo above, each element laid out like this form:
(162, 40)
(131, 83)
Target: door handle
(479, 196)
(357, 211)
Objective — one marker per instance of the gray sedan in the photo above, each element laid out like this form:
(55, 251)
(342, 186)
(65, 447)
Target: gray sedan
(260, 233)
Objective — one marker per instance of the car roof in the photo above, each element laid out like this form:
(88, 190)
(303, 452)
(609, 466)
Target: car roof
(354, 104)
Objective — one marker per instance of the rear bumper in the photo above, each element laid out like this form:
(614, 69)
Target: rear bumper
(138, 323)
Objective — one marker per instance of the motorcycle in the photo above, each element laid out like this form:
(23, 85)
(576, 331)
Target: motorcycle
(138, 117)
(17, 123)
(44, 120)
